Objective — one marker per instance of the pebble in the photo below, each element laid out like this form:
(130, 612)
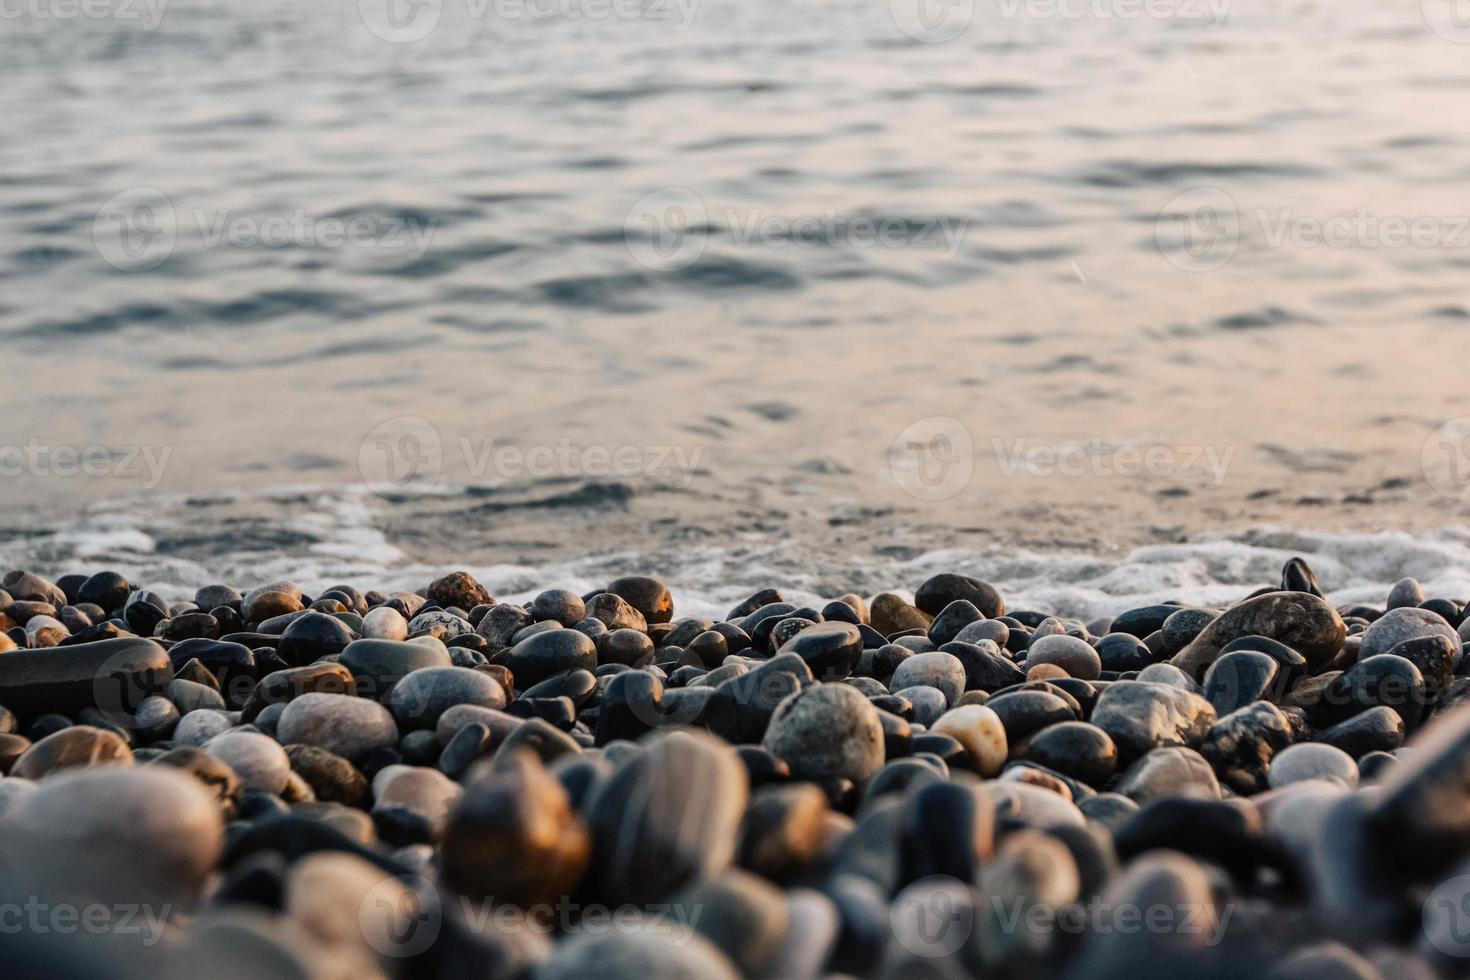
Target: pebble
(941, 671)
(1398, 625)
(666, 817)
(647, 595)
(347, 726)
(377, 665)
(115, 675)
(1313, 761)
(982, 734)
(258, 761)
(945, 588)
(552, 652)
(1141, 716)
(148, 835)
(1074, 656)
(1300, 620)
(830, 650)
(311, 636)
(1074, 748)
(1238, 678)
(1173, 771)
(827, 731)
(890, 614)
(420, 699)
(80, 746)
(457, 589)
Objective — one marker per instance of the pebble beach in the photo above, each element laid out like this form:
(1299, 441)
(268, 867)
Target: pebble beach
(265, 783)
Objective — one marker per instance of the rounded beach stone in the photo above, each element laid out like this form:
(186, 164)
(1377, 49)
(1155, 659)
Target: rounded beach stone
(446, 625)
(201, 725)
(1312, 760)
(668, 815)
(744, 916)
(1300, 620)
(946, 587)
(1071, 654)
(332, 778)
(891, 614)
(1172, 771)
(457, 589)
(257, 760)
(421, 698)
(311, 636)
(553, 652)
(647, 595)
(114, 835)
(651, 955)
(1398, 625)
(384, 623)
(1140, 716)
(979, 729)
(1073, 748)
(827, 731)
(377, 665)
(114, 675)
(80, 746)
(513, 836)
(831, 650)
(936, 669)
(346, 726)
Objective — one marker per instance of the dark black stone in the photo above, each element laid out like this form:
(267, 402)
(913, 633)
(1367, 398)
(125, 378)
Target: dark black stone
(113, 675)
(1216, 830)
(106, 589)
(1298, 576)
(1239, 678)
(953, 618)
(632, 705)
(830, 650)
(1142, 621)
(553, 652)
(945, 829)
(946, 587)
(311, 636)
(1123, 651)
(1385, 680)
(1074, 748)
(762, 767)
(741, 707)
(1375, 730)
(1025, 712)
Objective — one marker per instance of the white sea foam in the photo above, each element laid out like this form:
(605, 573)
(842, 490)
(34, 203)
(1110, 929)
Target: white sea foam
(320, 539)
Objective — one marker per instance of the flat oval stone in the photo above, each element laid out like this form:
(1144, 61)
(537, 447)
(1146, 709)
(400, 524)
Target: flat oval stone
(346, 726)
(946, 587)
(667, 816)
(1238, 678)
(332, 778)
(148, 835)
(80, 746)
(552, 652)
(257, 760)
(1300, 620)
(311, 636)
(1025, 712)
(827, 731)
(1140, 716)
(1071, 654)
(980, 730)
(1073, 748)
(647, 595)
(1310, 760)
(831, 650)
(384, 623)
(422, 697)
(377, 665)
(942, 671)
(1172, 771)
(112, 675)
(1398, 625)
(287, 685)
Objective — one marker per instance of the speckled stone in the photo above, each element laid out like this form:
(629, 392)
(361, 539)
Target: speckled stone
(827, 731)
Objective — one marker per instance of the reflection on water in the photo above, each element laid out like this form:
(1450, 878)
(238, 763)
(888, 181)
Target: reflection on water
(780, 233)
